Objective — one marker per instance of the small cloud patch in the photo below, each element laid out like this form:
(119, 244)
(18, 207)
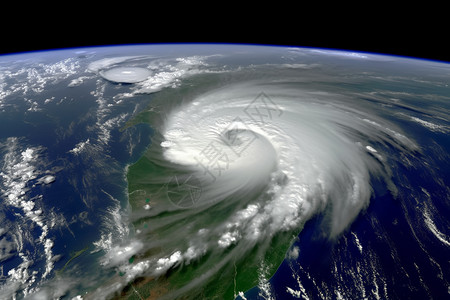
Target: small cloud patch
(126, 74)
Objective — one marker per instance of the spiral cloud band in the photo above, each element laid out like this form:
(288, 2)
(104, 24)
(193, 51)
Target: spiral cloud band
(223, 172)
(296, 145)
(250, 161)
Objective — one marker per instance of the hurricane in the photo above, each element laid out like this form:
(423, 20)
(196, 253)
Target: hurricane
(223, 172)
(237, 171)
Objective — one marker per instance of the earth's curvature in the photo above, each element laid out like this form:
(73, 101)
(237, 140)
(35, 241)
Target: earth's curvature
(223, 172)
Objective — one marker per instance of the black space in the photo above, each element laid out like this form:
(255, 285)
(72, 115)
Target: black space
(422, 34)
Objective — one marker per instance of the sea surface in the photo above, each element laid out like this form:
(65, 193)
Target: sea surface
(223, 171)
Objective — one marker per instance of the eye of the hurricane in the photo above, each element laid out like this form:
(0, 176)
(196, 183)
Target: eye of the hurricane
(232, 138)
(239, 139)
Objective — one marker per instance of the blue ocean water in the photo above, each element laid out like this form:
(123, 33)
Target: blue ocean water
(397, 247)
(88, 187)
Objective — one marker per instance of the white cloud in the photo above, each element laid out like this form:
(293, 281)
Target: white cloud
(120, 254)
(103, 63)
(433, 228)
(431, 126)
(293, 253)
(163, 264)
(126, 74)
(228, 238)
(78, 81)
(341, 53)
(79, 147)
(137, 269)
